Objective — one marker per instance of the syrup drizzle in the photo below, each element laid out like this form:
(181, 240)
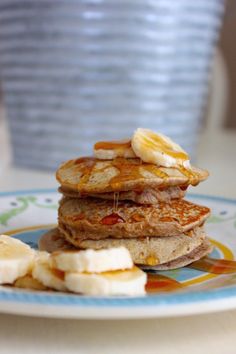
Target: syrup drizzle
(58, 273)
(86, 166)
(116, 201)
(215, 266)
(156, 171)
(113, 145)
(160, 283)
(129, 170)
(192, 176)
(156, 142)
(152, 260)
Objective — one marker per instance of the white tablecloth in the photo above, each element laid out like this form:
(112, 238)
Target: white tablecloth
(213, 333)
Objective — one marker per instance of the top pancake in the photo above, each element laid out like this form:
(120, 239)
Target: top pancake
(89, 175)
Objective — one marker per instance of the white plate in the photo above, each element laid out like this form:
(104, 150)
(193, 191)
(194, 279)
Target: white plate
(28, 214)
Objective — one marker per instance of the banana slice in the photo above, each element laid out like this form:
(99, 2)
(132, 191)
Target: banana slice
(28, 282)
(92, 261)
(42, 256)
(128, 282)
(76, 271)
(49, 277)
(16, 259)
(158, 149)
(109, 150)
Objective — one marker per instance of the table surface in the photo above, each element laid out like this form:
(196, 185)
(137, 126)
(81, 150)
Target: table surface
(194, 334)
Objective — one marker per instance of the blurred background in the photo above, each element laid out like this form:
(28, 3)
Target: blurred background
(77, 71)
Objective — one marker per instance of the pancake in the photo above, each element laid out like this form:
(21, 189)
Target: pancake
(149, 250)
(91, 176)
(163, 253)
(98, 219)
(52, 241)
(199, 252)
(147, 196)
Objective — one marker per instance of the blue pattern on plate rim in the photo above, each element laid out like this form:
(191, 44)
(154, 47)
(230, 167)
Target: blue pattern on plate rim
(160, 300)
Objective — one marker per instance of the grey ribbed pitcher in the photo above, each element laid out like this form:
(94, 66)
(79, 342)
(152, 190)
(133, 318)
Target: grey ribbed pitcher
(77, 71)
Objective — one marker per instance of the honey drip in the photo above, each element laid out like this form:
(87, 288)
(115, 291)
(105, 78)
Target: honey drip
(113, 145)
(128, 171)
(116, 201)
(159, 283)
(192, 177)
(156, 142)
(216, 266)
(156, 171)
(86, 165)
(152, 260)
(58, 273)
(112, 219)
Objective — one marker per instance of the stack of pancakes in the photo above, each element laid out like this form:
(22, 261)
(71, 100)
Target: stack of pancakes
(125, 201)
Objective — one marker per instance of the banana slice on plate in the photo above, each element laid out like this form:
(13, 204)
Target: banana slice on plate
(127, 282)
(16, 259)
(91, 272)
(158, 149)
(110, 150)
(49, 277)
(92, 261)
(28, 282)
